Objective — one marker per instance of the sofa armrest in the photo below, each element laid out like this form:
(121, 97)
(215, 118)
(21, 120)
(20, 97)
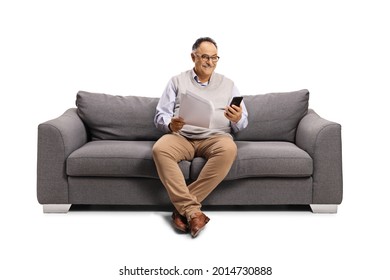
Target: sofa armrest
(322, 140)
(57, 139)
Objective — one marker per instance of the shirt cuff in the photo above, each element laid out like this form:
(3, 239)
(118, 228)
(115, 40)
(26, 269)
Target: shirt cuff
(241, 124)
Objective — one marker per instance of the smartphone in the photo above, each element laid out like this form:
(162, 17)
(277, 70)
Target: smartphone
(236, 101)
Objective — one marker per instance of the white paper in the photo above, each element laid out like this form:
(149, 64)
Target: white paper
(195, 110)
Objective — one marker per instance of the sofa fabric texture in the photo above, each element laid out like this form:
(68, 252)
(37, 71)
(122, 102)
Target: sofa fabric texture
(110, 117)
(101, 153)
(274, 116)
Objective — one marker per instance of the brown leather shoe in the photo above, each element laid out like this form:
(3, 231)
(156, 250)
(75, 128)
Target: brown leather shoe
(179, 222)
(197, 223)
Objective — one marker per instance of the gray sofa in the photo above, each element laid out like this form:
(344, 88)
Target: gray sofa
(100, 154)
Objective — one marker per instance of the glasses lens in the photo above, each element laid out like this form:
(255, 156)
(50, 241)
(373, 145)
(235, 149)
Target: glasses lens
(206, 58)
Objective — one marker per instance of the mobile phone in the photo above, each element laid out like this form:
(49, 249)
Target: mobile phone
(236, 101)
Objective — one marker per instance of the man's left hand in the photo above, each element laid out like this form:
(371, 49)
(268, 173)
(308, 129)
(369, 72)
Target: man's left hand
(233, 113)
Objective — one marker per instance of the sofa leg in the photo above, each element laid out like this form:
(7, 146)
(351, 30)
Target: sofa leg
(56, 208)
(324, 208)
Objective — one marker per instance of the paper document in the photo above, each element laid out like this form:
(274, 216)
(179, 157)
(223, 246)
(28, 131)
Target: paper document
(195, 110)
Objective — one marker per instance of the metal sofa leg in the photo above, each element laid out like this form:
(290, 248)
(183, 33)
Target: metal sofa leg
(324, 208)
(56, 208)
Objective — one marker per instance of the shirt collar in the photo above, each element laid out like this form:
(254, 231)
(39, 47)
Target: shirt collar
(196, 79)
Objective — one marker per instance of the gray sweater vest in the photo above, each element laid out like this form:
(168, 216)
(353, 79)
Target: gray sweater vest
(218, 91)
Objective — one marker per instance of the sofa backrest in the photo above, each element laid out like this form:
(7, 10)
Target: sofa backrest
(274, 116)
(110, 117)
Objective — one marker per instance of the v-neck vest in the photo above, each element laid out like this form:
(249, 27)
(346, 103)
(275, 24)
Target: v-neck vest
(218, 91)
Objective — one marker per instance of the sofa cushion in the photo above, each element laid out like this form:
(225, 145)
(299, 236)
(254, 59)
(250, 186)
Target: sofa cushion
(110, 158)
(274, 116)
(264, 159)
(110, 117)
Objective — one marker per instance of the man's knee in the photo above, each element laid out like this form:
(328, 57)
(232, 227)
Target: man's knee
(171, 146)
(228, 147)
(231, 148)
(159, 147)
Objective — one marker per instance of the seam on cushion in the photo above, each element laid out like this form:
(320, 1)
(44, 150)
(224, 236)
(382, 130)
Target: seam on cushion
(276, 176)
(79, 158)
(112, 176)
(274, 158)
(277, 158)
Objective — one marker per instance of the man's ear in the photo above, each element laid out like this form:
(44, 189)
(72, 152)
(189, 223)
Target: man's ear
(193, 57)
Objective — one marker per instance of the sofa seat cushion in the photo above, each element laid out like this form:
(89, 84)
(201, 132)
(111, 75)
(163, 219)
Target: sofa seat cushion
(110, 158)
(264, 159)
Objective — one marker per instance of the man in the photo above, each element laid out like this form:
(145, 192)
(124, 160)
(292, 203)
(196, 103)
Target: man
(184, 141)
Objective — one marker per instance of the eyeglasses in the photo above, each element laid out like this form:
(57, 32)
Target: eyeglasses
(206, 58)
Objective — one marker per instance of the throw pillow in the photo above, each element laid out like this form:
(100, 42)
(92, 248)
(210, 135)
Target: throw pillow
(110, 117)
(274, 116)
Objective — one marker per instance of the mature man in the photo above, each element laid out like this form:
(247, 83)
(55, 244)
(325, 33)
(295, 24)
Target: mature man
(184, 141)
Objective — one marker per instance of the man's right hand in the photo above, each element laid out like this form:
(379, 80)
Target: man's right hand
(176, 124)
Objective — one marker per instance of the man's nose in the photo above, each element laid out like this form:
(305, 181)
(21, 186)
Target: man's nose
(210, 61)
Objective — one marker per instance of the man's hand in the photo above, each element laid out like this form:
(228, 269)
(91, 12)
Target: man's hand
(176, 124)
(233, 113)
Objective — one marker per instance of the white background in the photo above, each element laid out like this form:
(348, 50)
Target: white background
(339, 50)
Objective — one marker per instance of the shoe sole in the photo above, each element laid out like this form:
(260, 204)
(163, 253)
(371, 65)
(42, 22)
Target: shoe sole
(196, 233)
(179, 228)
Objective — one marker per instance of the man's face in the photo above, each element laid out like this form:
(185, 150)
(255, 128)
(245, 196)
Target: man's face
(204, 67)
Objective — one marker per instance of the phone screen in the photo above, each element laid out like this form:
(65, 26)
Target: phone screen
(236, 101)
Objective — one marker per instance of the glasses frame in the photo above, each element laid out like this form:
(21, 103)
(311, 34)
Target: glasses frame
(207, 58)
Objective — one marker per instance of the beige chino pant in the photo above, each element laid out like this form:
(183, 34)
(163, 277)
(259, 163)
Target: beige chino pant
(219, 151)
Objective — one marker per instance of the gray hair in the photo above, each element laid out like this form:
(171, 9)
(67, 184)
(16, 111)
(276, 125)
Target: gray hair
(201, 40)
